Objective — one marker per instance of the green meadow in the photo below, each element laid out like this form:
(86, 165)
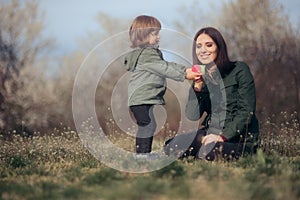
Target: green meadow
(58, 166)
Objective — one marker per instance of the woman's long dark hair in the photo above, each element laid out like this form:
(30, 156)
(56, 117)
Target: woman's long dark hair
(222, 60)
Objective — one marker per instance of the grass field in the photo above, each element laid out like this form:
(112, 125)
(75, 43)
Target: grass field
(57, 166)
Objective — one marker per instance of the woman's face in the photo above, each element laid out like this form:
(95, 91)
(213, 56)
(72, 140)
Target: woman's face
(206, 49)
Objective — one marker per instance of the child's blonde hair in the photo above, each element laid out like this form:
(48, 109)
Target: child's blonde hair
(140, 29)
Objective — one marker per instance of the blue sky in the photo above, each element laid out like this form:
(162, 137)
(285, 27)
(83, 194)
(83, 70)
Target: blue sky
(67, 21)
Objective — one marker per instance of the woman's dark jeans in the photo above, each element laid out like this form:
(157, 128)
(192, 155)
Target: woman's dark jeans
(176, 146)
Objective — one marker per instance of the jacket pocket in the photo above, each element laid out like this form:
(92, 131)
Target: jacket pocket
(230, 87)
(229, 83)
(231, 90)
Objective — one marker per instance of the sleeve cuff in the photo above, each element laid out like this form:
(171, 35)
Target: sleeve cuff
(224, 138)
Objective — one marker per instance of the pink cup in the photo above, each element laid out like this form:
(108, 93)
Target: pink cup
(199, 69)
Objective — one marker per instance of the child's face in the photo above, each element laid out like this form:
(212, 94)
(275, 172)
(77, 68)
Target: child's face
(154, 37)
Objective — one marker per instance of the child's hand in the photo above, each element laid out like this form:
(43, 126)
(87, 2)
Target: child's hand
(190, 75)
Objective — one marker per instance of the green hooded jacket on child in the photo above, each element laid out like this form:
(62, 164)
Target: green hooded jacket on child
(149, 72)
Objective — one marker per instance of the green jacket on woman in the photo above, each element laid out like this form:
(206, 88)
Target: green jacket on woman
(235, 117)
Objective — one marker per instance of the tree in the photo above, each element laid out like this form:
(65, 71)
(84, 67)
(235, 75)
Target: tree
(260, 34)
(21, 45)
(70, 64)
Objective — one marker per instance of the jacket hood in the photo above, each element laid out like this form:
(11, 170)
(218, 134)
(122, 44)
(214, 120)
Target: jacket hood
(131, 59)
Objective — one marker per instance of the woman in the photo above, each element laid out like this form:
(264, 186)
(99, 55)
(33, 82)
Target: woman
(225, 98)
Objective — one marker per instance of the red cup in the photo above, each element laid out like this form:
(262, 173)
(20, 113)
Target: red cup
(199, 69)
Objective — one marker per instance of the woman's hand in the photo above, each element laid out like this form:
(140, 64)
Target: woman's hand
(198, 85)
(211, 138)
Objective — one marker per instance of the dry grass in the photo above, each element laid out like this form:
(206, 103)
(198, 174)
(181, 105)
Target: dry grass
(58, 166)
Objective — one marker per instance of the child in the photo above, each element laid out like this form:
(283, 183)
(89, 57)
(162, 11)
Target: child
(147, 85)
